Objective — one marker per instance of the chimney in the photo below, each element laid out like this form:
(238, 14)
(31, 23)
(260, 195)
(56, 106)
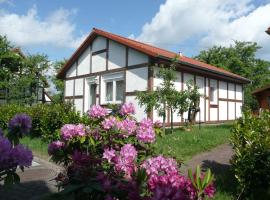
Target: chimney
(180, 54)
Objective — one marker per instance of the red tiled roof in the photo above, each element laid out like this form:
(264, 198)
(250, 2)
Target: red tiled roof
(149, 50)
(259, 90)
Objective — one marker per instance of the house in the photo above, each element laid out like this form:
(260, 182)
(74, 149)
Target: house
(263, 97)
(108, 68)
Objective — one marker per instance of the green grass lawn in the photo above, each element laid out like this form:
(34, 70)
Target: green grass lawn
(183, 144)
(38, 147)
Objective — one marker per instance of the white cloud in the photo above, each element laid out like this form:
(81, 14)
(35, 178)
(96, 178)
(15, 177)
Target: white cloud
(213, 22)
(26, 30)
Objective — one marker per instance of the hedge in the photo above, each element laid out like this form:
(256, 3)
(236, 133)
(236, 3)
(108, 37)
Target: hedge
(47, 119)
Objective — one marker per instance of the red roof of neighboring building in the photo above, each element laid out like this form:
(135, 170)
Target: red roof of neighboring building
(268, 31)
(259, 90)
(147, 49)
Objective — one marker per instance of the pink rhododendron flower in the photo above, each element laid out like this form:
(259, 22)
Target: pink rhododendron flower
(128, 152)
(128, 126)
(158, 124)
(69, 131)
(55, 146)
(145, 131)
(160, 165)
(127, 109)
(125, 161)
(109, 154)
(96, 111)
(109, 123)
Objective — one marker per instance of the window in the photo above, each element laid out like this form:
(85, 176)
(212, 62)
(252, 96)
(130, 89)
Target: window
(120, 90)
(113, 88)
(92, 94)
(213, 92)
(109, 91)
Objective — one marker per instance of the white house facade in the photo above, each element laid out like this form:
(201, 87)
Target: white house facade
(109, 68)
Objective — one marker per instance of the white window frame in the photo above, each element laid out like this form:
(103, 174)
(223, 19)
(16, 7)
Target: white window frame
(111, 78)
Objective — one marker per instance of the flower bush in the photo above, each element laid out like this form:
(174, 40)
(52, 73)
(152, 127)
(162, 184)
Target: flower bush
(13, 154)
(113, 158)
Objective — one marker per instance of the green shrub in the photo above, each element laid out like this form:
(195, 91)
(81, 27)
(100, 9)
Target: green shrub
(46, 118)
(251, 161)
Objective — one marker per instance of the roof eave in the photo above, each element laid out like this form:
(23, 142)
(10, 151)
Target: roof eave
(242, 79)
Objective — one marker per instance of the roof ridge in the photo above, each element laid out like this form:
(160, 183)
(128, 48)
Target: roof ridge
(133, 40)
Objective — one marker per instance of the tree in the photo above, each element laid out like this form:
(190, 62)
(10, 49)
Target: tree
(241, 59)
(59, 84)
(21, 76)
(166, 97)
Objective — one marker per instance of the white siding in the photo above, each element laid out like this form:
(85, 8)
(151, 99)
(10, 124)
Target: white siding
(231, 110)
(69, 86)
(72, 71)
(135, 57)
(99, 62)
(207, 109)
(84, 62)
(223, 89)
(222, 110)
(231, 91)
(137, 79)
(79, 86)
(239, 92)
(78, 103)
(117, 55)
(177, 85)
(99, 44)
(140, 114)
(213, 114)
(238, 109)
(200, 84)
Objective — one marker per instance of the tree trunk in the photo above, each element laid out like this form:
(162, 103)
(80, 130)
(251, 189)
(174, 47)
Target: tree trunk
(171, 120)
(164, 118)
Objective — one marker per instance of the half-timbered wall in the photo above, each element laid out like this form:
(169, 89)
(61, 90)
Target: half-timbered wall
(105, 59)
(225, 105)
(102, 60)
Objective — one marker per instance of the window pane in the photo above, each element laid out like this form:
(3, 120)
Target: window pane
(109, 91)
(119, 90)
(92, 98)
(212, 98)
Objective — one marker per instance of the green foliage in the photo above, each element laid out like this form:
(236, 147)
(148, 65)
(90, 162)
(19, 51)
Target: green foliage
(166, 97)
(21, 75)
(59, 84)
(200, 183)
(240, 58)
(251, 161)
(46, 118)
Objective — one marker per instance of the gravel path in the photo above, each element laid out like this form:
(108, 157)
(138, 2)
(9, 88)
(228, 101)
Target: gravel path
(217, 159)
(36, 181)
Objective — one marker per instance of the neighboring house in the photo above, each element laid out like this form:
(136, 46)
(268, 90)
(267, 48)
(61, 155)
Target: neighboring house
(108, 68)
(38, 92)
(268, 31)
(263, 97)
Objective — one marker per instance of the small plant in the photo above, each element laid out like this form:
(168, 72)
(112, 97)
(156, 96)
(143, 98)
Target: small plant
(203, 183)
(12, 153)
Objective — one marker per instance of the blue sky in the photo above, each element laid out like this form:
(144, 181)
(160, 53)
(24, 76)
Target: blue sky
(58, 27)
